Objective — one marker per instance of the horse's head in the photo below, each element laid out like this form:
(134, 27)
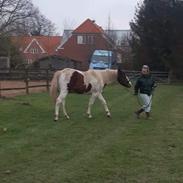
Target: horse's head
(123, 79)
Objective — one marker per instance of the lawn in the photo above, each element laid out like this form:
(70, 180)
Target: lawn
(34, 149)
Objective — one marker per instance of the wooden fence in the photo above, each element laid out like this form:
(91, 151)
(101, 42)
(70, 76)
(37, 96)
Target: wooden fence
(26, 76)
(45, 75)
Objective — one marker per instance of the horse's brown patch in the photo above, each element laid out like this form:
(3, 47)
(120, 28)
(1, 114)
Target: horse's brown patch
(77, 84)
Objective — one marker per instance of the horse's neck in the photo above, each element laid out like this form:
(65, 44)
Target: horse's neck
(109, 76)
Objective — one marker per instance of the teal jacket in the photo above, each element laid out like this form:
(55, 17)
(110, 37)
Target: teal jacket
(145, 84)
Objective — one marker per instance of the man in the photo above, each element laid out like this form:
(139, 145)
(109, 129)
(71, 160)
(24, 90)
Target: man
(144, 87)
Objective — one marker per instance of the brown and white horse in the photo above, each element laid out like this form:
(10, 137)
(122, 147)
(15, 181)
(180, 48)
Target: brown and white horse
(91, 81)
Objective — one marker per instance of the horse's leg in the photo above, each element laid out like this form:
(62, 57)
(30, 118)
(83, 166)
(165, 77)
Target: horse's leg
(59, 100)
(57, 108)
(103, 101)
(91, 102)
(64, 109)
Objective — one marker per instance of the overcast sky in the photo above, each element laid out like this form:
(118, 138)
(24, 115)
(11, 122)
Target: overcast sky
(71, 13)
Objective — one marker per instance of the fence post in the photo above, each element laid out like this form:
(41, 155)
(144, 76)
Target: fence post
(0, 90)
(47, 80)
(27, 81)
(169, 77)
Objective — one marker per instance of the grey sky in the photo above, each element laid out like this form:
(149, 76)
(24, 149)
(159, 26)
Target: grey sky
(71, 13)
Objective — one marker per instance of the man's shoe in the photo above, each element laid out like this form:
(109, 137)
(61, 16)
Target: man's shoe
(148, 115)
(137, 113)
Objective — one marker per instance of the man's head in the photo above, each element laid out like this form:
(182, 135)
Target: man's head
(145, 70)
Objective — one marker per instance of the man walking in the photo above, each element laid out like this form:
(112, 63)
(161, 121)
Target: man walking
(144, 87)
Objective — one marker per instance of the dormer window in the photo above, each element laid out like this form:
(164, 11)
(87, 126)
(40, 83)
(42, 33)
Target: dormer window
(34, 50)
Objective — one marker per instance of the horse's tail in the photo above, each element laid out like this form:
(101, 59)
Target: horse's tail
(54, 86)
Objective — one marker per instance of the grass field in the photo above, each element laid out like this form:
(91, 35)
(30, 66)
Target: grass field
(34, 149)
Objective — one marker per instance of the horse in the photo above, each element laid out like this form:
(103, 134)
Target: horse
(91, 81)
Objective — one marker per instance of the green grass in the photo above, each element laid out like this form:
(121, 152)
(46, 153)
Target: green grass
(34, 149)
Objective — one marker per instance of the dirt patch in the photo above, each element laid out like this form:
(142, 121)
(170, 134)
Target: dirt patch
(20, 84)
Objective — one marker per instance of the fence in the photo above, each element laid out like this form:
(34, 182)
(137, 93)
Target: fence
(45, 75)
(27, 77)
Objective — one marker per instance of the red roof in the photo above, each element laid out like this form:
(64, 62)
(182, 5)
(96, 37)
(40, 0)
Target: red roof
(48, 43)
(88, 26)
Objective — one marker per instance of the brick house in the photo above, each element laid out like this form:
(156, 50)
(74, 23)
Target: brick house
(79, 44)
(33, 48)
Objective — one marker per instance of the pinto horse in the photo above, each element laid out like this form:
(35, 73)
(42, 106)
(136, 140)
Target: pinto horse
(92, 81)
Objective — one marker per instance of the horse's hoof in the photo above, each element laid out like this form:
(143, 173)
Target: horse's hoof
(108, 114)
(56, 119)
(67, 117)
(90, 116)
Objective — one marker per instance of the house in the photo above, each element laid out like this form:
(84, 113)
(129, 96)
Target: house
(79, 44)
(55, 62)
(74, 49)
(33, 48)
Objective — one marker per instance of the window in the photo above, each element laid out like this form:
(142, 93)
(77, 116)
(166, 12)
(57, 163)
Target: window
(80, 40)
(34, 50)
(90, 39)
(85, 39)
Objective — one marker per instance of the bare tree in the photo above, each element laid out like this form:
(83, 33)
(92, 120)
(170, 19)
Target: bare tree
(12, 12)
(42, 26)
(68, 24)
(22, 17)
